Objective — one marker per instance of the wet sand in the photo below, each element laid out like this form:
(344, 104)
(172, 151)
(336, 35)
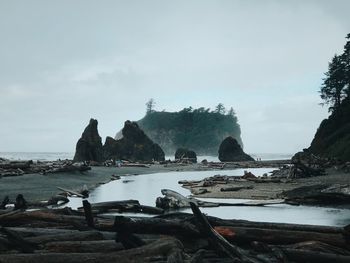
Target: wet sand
(261, 191)
(38, 187)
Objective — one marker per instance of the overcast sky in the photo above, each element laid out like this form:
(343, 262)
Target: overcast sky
(63, 62)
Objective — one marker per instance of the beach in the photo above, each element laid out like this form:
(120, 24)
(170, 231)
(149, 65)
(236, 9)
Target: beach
(38, 187)
(271, 190)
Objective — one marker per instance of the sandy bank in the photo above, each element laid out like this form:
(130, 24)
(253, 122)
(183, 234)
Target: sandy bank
(37, 187)
(270, 190)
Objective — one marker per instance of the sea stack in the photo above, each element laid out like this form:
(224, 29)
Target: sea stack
(231, 151)
(183, 153)
(134, 146)
(89, 146)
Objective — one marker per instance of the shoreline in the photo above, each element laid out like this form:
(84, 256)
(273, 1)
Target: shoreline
(271, 190)
(38, 187)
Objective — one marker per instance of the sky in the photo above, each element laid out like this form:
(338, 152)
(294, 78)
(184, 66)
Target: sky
(64, 62)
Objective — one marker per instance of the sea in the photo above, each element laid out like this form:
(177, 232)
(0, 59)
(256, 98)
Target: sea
(53, 156)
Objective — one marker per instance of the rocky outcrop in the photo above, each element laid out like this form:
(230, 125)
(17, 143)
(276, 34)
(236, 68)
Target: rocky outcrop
(89, 146)
(183, 153)
(332, 139)
(231, 151)
(133, 146)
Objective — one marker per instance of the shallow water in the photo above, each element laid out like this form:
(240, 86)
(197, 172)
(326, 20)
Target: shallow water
(146, 188)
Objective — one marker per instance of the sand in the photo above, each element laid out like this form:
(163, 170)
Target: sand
(263, 191)
(37, 187)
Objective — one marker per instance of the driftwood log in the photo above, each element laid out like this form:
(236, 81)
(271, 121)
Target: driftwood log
(71, 236)
(163, 247)
(132, 206)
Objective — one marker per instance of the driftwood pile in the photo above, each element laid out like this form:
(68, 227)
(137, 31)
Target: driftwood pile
(64, 235)
(305, 164)
(16, 168)
(201, 186)
(248, 164)
(319, 194)
(174, 200)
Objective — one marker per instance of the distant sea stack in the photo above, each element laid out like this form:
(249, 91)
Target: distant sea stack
(332, 138)
(135, 145)
(200, 130)
(89, 146)
(231, 151)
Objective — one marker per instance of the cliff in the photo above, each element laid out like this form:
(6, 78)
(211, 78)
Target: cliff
(199, 130)
(332, 138)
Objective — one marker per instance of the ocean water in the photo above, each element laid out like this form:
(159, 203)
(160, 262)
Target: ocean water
(53, 156)
(37, 156)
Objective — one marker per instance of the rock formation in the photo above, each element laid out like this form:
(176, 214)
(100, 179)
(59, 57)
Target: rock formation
(183, 153)
(332, 138)
(89, 146)
(133, 146)
(231, 151)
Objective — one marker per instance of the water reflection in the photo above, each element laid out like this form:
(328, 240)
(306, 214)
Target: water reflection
(146, 188)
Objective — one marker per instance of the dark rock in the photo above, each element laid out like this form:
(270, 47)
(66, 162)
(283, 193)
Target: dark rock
(89, 146)
(183, 153)
(133, 146)
(332, 139)
(231, 151)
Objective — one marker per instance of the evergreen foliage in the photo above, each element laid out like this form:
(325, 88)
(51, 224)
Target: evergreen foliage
(150, 106)
(336, 84)
(332, 138)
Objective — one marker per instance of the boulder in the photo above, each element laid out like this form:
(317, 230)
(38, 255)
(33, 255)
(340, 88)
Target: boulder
(89, 146)
(231, 151)
(133, 146)
(186, 154)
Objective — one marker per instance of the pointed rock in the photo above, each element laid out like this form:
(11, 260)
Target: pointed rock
(89, 146)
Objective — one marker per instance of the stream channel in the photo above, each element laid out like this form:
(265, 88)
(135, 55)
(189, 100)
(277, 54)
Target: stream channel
(146, 188)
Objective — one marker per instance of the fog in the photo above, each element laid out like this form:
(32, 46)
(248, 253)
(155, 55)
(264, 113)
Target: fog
(63, 62)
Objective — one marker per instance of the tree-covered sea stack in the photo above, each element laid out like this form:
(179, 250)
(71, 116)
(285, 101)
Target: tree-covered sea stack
(201, 130)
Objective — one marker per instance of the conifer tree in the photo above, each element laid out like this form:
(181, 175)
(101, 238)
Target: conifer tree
(333, 88)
